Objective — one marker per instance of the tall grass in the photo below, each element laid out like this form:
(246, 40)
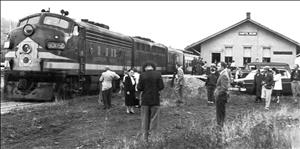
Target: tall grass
(260, 129)
(279, 128)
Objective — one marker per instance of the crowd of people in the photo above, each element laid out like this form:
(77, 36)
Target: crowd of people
(269, 81)
(143, 90)
(266, 83)
(199, 67)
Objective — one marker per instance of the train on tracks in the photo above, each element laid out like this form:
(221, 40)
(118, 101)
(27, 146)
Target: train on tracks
(51, 55)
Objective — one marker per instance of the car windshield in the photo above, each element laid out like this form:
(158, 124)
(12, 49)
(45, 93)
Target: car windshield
(30, 20)
(54, 21)
(285, 74)
(251, 67)
(250, 76)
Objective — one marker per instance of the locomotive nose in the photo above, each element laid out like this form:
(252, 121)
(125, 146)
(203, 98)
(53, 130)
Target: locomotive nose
(25, 58)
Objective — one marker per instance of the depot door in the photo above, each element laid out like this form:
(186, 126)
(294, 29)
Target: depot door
(215, 57)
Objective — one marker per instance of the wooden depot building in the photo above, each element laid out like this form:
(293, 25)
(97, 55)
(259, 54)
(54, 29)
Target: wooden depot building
(244, 42)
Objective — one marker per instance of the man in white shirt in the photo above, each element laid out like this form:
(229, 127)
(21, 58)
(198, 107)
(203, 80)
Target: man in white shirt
(179, 82)
(106, 78)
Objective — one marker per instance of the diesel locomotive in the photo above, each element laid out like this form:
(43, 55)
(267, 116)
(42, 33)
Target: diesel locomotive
(51, 55)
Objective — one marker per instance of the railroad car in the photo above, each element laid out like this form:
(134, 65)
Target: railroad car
(188, 58)
(175, 56)
(52, 56)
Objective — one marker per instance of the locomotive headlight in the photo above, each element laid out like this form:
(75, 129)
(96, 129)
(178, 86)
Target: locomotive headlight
(26, 60)
(28, 30)
(26, 48)
(56, 45)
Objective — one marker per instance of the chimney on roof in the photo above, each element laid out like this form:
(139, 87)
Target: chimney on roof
(248, 14)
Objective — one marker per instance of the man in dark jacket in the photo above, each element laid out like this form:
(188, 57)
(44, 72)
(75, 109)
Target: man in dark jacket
(150, 84)
(221, 92)
(295, 82)
(267, 86)
(257, 85)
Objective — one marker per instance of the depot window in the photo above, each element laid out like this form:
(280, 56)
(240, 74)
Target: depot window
(266, 52)
(247, 51)
(228, 59)
(246, 60)
(228, 51)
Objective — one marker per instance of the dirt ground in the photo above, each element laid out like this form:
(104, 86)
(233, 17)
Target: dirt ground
(82, 123)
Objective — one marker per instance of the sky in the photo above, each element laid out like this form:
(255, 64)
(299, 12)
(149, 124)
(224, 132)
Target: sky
(172, 23)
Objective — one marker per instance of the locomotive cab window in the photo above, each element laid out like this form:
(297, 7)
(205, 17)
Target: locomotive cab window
(58, 22)
(76, 30)
(31, 20)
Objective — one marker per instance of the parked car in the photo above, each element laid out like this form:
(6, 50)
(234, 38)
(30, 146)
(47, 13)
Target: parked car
(259, 65)
(246, 84)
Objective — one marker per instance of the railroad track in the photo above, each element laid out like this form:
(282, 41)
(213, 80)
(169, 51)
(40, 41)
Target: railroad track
(6, 107)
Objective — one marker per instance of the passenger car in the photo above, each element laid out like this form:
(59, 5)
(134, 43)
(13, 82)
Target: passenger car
(246, 84)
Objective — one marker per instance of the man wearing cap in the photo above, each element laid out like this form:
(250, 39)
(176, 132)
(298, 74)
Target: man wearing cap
(106, 78)
(267, 86)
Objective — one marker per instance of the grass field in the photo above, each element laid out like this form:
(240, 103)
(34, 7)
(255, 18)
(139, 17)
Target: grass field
(82, 123)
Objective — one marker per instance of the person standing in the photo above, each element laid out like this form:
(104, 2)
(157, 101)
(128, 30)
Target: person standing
(125, 73)
(295, 82)
(221, 92)
(267, 86)
(257, 86)
(238, 73)
(211, 85)
(277, 86)
(129, 89)
(204, 67)
(150, 84)
(106, 78)
(136, 75)
(179, 82)
(232, 65)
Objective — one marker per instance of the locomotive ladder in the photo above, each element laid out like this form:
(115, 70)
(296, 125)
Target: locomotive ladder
(81, 72)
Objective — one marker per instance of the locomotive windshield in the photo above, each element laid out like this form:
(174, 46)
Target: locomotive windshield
(30, 20)
(55, 21)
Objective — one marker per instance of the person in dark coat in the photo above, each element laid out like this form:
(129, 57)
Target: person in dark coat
(295, 83)
(257, 84)
(211, 85)
(267, 86)
(129, 88)
(150, 84)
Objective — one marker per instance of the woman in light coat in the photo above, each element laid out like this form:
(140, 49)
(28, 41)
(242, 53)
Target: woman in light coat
(278, 85)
